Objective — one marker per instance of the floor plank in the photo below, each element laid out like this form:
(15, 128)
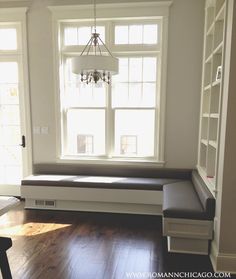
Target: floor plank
(68, 245)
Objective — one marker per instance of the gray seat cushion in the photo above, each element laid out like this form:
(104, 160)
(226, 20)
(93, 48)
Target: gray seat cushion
(180, 200)
(107, 182)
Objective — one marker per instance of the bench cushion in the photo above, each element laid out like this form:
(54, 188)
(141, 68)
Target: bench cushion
(180, 200)
(107, 182)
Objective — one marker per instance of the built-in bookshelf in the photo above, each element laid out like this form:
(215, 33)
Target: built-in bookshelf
(213, 66)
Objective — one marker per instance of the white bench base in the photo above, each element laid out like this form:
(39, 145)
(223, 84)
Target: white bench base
(129, 208)
(93, 199)
(187, 245)
(187, 236)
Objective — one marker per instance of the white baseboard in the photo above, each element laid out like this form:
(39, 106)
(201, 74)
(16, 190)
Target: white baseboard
(222, 262)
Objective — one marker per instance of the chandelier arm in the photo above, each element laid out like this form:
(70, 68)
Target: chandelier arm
(105, 46)
(99, 49)
(89, 48)
(86, 46)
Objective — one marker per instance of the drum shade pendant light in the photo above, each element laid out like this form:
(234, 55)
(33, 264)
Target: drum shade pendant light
(96, 62)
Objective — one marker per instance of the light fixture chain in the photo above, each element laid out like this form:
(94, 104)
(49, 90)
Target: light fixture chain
(95, 19)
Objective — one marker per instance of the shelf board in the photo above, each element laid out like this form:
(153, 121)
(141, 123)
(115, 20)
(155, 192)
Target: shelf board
(205, 115)
(213, 143)
(215, 83)
(204, 141)
(218, 49)
(214, 115)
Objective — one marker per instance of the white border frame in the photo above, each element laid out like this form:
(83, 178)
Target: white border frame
(122, 11)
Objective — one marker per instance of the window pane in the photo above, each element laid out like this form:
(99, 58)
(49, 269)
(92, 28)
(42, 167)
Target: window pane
(121, 34)
(135, 94)
(120, 94)
(136, 123)
(140, 90)
(128, 145)
(84, 34)
(11, 155)
(70, 36)
(8, 72)
(135, 69)
(123, 70)
(149, 95)
(81, 94)
(150, 34)
(135, 34)
(9, 94)
(149, 69)
(85, 144)
(9, 115)
(86, 123)
(101, 31)
(8, 39)
(13, 174)
(81, 35)
(10, 135)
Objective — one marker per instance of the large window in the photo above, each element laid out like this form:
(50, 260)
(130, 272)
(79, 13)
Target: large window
(121, 121)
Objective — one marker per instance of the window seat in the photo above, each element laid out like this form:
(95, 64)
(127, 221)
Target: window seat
(185, 203)
(104, 188)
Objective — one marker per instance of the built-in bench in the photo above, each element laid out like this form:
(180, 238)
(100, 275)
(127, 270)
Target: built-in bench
(188, 213)
(184, 200)
(98, 188)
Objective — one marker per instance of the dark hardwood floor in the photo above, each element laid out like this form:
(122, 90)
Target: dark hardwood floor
(76, 245)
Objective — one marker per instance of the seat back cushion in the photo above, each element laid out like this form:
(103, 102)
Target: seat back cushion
(205, 196)
(111, 170)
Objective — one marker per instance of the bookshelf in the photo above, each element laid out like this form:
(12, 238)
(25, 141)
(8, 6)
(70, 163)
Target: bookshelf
(215, 13)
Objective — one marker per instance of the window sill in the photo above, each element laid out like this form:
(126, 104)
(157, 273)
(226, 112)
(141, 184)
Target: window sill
(113, 161)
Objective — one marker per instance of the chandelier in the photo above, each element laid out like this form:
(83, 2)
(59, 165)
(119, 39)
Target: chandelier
(96, 62)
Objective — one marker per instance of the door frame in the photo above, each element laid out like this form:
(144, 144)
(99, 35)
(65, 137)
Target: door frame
(17, 18)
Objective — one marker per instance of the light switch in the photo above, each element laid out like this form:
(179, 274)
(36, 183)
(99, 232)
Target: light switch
(44, 130)
(37, 130)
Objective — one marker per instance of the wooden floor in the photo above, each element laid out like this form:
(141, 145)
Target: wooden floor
(73, 245)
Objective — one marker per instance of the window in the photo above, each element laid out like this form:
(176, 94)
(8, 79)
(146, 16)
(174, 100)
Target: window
(124, 120)
(136, 34)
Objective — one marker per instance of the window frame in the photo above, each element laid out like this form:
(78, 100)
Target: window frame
(116, 13)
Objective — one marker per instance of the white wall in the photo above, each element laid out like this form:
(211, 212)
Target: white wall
(183, 84)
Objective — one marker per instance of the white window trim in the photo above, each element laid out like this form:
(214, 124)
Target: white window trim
(119, 11)
(17, 17)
